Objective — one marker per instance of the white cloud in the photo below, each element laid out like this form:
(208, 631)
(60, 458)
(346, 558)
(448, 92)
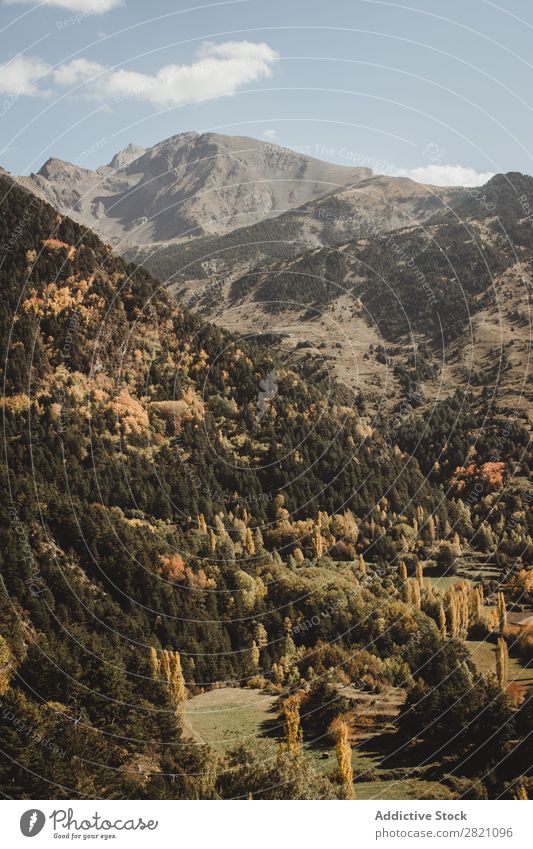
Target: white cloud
(270, 134)
(86, 7)
(219, 70)
(446, 175)
(21, 74)
(77, 71)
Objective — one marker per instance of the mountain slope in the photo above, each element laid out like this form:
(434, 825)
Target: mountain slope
(373, 205)
(456, 286)
(187, 186)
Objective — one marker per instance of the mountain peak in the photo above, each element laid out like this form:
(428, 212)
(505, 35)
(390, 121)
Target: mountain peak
(54, 167)
(126, 156)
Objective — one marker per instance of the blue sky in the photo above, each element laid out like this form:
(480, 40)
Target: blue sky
(420, 88)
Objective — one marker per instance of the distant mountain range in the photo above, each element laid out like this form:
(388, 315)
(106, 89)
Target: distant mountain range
(193, 185)
(347, 270)
(187, 186)
(355, 282)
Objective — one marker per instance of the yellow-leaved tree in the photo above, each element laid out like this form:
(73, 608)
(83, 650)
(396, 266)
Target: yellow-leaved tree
(344, 758)
(166, 665)
(293, 732)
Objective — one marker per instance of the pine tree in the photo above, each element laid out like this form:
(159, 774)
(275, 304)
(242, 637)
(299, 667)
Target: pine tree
(344, 760)
(521, 793)
(362, 565)
(420, 574)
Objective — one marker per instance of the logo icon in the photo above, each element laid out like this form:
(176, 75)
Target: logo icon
(32, 822)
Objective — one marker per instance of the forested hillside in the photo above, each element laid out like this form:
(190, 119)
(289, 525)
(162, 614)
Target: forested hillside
(421, 308)
(182, 510)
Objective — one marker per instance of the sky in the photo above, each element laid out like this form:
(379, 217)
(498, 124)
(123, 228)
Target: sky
(439, 90)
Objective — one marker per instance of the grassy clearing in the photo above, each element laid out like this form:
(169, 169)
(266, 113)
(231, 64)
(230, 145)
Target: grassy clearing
(484, 657)
(225, 717)
(408, 788)
(228, 716)
(441, 584)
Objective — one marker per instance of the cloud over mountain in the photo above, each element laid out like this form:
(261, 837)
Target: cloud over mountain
(218, 70)
(446, 175)
(21, 75)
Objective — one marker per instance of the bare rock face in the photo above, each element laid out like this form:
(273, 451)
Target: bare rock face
(125, 157)
(188, 186)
